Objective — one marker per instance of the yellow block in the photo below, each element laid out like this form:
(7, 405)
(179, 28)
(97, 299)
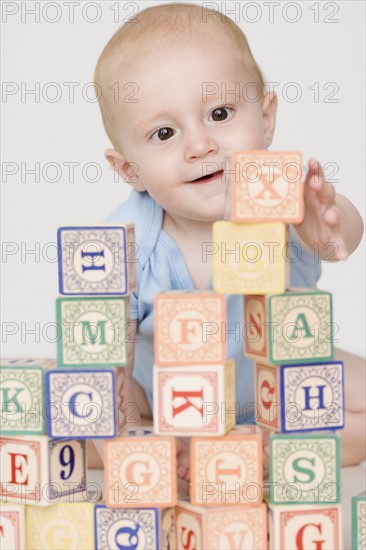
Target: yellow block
(249, 258)
(65, 526)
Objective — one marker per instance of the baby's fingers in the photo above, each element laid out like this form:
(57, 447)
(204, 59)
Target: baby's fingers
(315, 171)
(332, 216)
(324, 190)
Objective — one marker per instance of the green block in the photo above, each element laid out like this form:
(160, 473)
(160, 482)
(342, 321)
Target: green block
(359, 522)
(94, 331)
(22, 400)
(304, 469)
(302, 325)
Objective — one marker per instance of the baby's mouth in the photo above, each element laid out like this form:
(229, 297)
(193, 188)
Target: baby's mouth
(208, 177)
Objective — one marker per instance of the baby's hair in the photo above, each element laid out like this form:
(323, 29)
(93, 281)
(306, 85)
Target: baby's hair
(163, 23)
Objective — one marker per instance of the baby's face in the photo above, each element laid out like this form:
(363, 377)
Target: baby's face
(178, 131)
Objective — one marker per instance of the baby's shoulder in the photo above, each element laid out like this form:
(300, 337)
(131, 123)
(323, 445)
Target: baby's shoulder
(146, 215)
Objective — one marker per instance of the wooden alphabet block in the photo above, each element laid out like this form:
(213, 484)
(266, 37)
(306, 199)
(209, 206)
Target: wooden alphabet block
(68, 525)
(22, 402)
(188, 328)
(249, 258)
(294, 327)
(222, 527)
(305, 469)
(140, 472)
(264, 434)
(150, 528)
(38, 470)
(27, 362)
(265, 186)
(305, 526)
(226, 470)
(82, 403)
(94, 331)
(194, 400)
(12, 526)
(97, 259)
(359, 521)
(293, 398)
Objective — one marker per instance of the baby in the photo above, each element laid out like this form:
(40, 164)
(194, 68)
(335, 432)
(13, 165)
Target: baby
(166, 129)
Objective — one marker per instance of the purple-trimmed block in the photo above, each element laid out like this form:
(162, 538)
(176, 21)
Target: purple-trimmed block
(150, 528)
(293, 398)
(97, 260)
(82, 403)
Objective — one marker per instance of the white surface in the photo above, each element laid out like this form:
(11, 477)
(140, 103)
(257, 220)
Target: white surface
(353, 482)
(70, 130)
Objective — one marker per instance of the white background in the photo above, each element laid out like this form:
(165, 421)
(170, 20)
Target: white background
(308, 51)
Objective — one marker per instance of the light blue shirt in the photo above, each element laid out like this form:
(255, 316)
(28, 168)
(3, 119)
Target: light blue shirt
(161, 267)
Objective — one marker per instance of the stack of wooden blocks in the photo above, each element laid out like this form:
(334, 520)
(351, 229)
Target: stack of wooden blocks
(298, 403)
(289, 335)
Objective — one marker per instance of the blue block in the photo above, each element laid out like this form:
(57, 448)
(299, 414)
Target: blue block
(134, 528)
(96, 260)
(300, 398)
(81, 403)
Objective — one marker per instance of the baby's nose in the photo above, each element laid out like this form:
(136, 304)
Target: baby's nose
(200, 143)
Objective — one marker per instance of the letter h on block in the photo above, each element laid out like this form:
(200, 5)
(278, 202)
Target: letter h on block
(265, 186)
(226, 526)
(294, 327)
(97, 259)
(293, 398)
(38, 470)
(140, 472)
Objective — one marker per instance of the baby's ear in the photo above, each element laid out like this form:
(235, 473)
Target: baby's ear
(269, 110)
(127, 170)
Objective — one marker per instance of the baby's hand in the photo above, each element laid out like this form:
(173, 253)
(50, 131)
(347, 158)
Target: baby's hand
(183, 458)
(322, 224)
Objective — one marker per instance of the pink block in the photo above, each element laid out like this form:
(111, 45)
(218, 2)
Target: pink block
(140, 472)
(189, 328)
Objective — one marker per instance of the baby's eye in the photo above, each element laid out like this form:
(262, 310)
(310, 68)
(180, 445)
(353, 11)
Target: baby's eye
(162, 134)
(221, 113)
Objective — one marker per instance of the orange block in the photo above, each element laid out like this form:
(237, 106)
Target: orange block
(265, 186)
(226, 470)
(188, 328)
(140, 472)
(222, 527)
(194, 400)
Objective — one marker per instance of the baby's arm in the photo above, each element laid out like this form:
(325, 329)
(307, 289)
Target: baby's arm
(353, 436)
(329, 217)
